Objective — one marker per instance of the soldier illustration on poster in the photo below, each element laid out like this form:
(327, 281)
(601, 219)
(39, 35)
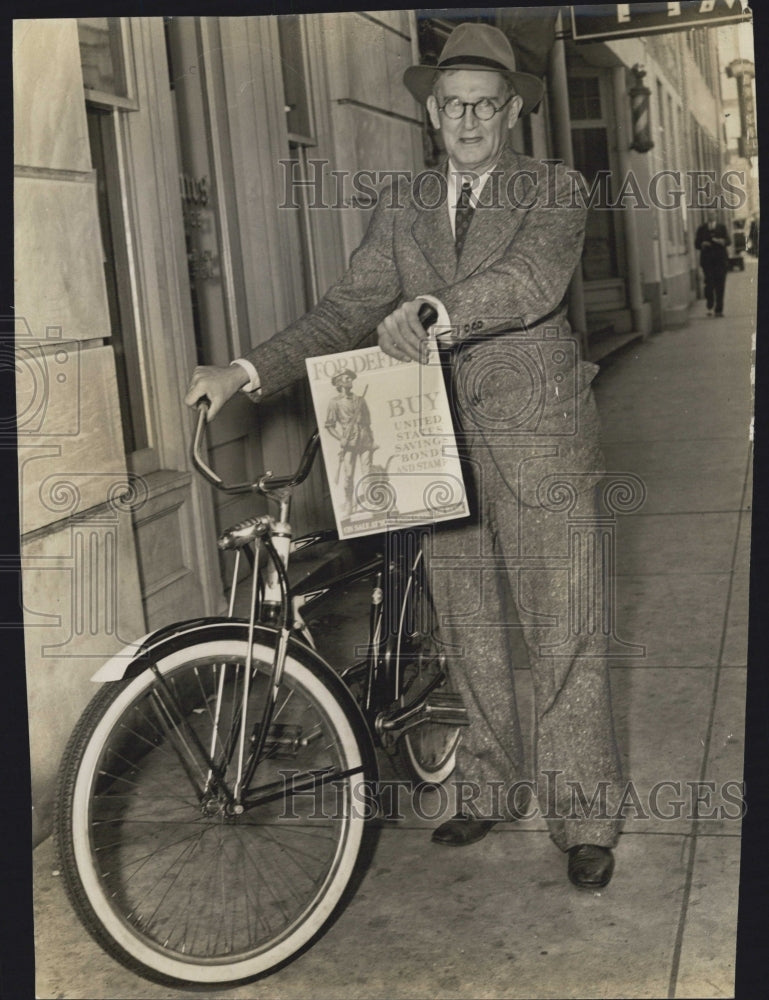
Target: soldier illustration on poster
(349, 421)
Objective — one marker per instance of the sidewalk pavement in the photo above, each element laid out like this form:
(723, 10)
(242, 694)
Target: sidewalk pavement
(499, 918)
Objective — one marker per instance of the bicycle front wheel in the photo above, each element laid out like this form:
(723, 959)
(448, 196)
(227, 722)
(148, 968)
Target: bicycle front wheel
(163, 871)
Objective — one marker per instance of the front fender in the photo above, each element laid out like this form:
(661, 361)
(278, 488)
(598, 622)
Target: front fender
(139, 656)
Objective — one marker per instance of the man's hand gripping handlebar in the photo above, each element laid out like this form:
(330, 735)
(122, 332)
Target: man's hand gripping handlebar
(216, 385)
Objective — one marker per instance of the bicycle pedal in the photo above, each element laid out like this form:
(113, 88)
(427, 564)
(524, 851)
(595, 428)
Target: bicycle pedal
(439, 707)
(443, 699)
(446, 706)
(284, 740)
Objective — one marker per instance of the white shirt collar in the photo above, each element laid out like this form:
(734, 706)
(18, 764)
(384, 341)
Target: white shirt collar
(478, 181)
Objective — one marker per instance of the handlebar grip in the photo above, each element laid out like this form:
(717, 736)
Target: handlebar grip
(427, 314)
(197, 440)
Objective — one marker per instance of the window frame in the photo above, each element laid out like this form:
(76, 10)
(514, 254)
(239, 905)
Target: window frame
(603, 123)
(123, 223)
(668, 114)
(298, 146)
(308, 139)
(105, 100)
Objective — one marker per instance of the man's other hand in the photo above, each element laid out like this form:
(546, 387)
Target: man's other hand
(219, 384)
(401, 333)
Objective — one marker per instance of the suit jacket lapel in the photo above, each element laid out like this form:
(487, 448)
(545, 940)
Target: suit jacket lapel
(431, 229)
(494, 220)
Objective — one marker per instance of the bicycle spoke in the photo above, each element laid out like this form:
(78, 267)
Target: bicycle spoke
(293, 852)
(127, 863)
(157, 878)
(279, 709)
(160, 706)
(277, 901)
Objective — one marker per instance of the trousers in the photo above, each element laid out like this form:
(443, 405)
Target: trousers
(509, 571)
(715, 283)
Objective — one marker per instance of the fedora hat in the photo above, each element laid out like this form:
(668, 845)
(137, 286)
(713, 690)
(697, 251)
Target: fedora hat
(479, 47)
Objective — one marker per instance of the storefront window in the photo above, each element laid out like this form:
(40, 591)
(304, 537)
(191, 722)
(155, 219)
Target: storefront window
(591, 155)
(301, 137)
(590, 142)
(101, 55)
(584, 98)
(298, 117)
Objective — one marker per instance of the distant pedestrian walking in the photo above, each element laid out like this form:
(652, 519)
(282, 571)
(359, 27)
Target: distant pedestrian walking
(753, 238)
(712, 240)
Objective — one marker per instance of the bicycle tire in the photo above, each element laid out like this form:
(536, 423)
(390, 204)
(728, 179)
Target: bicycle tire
(173, 889)
(427, 753)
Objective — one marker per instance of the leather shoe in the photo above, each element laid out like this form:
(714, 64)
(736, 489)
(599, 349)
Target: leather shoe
(461, 831)
(590, 866)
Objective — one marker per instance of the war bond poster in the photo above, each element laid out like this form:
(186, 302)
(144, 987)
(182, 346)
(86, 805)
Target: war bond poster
(387, 440)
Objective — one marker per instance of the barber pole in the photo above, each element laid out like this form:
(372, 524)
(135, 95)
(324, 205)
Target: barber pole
(639, 108)
(743, 71)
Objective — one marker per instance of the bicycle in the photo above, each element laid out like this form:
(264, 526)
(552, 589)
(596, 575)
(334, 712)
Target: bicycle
(214, 802)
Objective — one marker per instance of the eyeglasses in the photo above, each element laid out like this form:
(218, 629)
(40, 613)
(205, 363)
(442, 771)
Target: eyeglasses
(484, 109)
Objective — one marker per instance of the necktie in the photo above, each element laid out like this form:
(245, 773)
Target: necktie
(463, 216)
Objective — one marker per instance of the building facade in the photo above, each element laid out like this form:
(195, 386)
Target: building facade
(640, 266)
(178, 198)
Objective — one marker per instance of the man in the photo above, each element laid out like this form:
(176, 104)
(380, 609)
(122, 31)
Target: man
(349, 421)
(753, 238)
(494, 257)
(712, 240)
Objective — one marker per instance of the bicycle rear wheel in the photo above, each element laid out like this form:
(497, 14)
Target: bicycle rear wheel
(164, 874)
(426, 753)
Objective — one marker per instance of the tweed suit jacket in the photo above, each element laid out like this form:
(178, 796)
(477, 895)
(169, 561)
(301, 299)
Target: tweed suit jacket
(521, 249)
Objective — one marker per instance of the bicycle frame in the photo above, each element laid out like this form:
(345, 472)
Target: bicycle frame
(387, 718)
(280, 608)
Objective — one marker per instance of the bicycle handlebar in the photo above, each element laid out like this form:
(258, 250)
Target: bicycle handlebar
(268, 483)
